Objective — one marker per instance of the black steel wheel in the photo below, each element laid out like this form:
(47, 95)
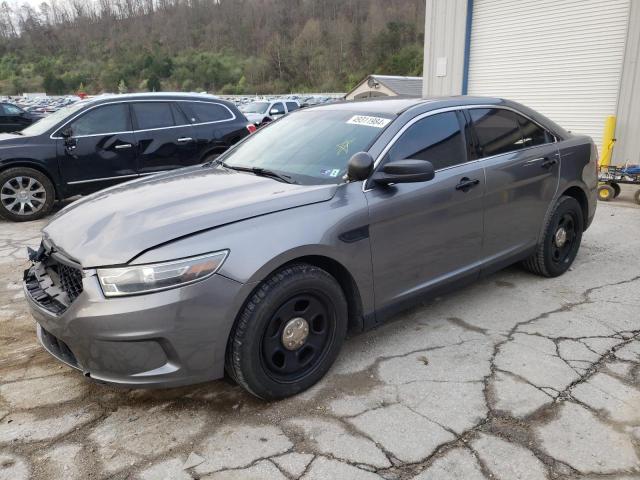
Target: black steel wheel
(297, 336)
(289, 332)
(561, 241)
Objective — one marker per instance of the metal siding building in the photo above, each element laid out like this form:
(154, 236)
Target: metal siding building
(574, 61)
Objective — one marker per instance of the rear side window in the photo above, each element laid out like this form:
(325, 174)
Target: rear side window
(437, 138)
(497, 131)
(532, 133)
(203, 112)
(153, 115)
(291, 106)
(105, 119)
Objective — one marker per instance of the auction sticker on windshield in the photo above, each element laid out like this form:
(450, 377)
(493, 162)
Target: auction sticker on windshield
(377, 122)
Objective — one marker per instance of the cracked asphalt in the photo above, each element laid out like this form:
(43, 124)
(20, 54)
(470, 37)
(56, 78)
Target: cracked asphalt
(515, 377)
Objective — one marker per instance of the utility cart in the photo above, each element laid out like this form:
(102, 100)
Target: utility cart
(611, 177)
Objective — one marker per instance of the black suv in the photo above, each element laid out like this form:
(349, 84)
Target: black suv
(96, 143)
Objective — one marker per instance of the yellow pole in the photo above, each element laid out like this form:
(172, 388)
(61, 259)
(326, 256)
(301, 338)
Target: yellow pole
(608, 140)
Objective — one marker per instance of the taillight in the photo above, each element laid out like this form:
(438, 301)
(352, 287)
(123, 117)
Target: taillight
(251, 127)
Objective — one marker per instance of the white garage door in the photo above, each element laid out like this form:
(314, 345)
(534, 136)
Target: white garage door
(560, 57)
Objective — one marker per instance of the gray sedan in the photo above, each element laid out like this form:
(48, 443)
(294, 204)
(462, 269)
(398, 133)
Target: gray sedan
(329, 220)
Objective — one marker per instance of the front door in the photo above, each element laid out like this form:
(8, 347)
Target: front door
(98, 148)
(165, 137)
(426, 234)
(522, 167)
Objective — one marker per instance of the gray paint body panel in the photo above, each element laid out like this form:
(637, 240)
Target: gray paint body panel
(421, 238)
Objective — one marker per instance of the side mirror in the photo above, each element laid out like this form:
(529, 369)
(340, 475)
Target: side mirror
(66, 132)
(274, 111)
(405, 171)
(360, 166)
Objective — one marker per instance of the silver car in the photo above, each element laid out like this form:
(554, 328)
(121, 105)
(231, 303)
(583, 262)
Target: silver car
(327, 221)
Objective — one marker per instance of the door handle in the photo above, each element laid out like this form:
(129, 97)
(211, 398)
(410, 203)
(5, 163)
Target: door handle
(549, 162)
(123, 146)
(467, 184)
(184, 139)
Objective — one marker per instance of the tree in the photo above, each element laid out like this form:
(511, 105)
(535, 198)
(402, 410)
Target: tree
(122, 87)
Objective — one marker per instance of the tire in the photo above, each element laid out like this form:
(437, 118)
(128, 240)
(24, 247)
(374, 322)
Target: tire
(616, 189)
(257, 357)
(636, 197)
(554, 256)
(35, 187)
(606, 193)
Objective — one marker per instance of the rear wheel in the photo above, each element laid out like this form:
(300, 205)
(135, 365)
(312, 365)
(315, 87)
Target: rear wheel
(616, 189)
(562, 236)
(25, 194)
(289, 332)
(606, 193)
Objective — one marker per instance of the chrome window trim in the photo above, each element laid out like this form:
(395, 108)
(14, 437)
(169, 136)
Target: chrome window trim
(454, 109)
(233, 117)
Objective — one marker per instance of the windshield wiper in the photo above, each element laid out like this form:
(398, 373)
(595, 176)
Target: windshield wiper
(262, 172)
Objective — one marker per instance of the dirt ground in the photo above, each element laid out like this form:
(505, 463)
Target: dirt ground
(515, 377)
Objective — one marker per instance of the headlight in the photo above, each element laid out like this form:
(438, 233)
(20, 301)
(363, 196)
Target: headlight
(116, 282)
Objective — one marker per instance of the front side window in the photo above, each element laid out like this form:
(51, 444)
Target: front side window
(313, 147)
(437, 138)
(102, 120)
(151, 115)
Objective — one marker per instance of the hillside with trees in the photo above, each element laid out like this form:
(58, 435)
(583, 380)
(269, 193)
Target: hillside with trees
(222, 46)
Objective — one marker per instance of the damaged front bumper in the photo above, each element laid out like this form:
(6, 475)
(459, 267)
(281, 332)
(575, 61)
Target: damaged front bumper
(163, 339)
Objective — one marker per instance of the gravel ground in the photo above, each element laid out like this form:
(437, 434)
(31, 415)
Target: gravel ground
(515, 377)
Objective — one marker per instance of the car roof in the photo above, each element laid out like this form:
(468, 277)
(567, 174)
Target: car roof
(397, 105)
(155, 96)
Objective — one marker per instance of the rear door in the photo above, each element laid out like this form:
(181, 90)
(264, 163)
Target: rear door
(215, 126)
(522, 167)
(164, 136)
(100, 150)
(428, 233)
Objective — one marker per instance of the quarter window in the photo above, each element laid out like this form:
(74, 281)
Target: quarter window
(497, 131)
(437, 138)
(101, 120)
(153, 115)
(203, 112)
(532, 133)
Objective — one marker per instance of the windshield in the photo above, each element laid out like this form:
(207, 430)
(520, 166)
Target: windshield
(255, 107)
(312, 147)
(50, 121)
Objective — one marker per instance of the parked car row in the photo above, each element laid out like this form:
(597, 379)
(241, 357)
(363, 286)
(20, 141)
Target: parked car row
(92, 144)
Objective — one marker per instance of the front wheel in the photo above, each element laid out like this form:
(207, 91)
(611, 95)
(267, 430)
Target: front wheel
(561, 241)
(25, 194)
(289, 333)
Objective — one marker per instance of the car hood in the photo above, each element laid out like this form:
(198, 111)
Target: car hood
(12, 139)
(113, 226)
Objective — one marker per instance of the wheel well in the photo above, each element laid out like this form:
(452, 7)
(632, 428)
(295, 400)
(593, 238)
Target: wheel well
(33, 167)
(347, 283)
(581, 197)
